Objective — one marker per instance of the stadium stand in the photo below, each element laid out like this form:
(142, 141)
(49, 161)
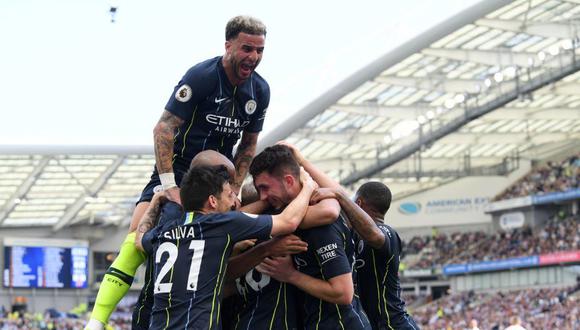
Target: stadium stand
(551, 177)
(557, 235)
(547, 308)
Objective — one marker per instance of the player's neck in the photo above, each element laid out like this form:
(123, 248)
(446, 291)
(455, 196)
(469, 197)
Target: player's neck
(378, 218)
(202, 211)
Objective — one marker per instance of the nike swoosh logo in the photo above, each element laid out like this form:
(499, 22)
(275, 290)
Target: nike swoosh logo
(220, 100)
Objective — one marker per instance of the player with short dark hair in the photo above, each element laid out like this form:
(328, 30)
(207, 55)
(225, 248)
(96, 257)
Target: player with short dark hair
(326, 268)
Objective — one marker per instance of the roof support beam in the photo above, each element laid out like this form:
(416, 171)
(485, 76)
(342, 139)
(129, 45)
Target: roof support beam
(412, 112)
(429, 164)
(488, 57)
(570, 66)
(440, 84)
(81, 201)
(395, 112)
(23, 189)
(459, 138)
(543, 29)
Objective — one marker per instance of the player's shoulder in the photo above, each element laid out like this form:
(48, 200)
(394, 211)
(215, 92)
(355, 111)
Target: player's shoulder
(205, 69)
(387, 230)
(260, 82)
(171, 215)
(227, 216)
(332, 229)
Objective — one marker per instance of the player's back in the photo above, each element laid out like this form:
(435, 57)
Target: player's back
(190, 266)
(378, 281)
(266, 303)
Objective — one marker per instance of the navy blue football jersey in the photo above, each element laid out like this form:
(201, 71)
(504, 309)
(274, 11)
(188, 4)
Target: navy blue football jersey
(215, 112)
(266, 303)
(378, 281)
(330, 254)
(190, 266)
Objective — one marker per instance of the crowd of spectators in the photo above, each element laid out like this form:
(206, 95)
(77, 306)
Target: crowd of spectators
(551, 177)
(553, 308)
(558, 234)
(46, 322)
(53, 319)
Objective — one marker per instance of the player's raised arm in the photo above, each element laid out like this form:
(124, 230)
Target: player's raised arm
(319, 176)
(362, 223)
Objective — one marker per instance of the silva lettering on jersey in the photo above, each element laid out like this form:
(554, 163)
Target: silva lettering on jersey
(179, 233)
(327, 252)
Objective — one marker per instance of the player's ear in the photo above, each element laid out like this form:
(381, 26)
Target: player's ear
(228, 46)
(289, 180)
(213, 202)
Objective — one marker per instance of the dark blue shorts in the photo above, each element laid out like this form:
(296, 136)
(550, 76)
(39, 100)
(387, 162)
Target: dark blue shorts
(404, 322)
(154, 184)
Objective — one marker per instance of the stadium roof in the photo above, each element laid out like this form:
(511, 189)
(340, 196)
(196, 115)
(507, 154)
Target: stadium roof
(495, 82)
(57, 186)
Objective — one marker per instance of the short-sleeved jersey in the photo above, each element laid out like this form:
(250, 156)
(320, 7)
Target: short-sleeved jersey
(190, 266)
(378, 280)
(171, 215)
(214, 111)
(266, 303)
(330, 254)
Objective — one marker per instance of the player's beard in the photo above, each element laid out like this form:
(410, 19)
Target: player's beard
(286, 198)
(237, 67)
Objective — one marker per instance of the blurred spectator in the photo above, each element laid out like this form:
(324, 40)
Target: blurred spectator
(473, 325)
(515, 324)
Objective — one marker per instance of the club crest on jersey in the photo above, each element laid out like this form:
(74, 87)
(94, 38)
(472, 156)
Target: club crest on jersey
(183, 93)
(250, 107)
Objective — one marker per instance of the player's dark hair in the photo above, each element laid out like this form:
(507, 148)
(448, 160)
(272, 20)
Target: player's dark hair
(245, 24)
(276, 160)
(376, 195)
(249, 194)
(199, 183)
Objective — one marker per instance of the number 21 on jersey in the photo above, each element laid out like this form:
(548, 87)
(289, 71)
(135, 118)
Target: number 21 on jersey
(171, 249)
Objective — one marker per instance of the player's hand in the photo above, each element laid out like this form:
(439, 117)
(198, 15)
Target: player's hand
(237, 204)
(307, 180)
(279, 268)
(295, 152)
(284, 245)
(173, 195)
(160, 197)
(322, 193)
(242, 246)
